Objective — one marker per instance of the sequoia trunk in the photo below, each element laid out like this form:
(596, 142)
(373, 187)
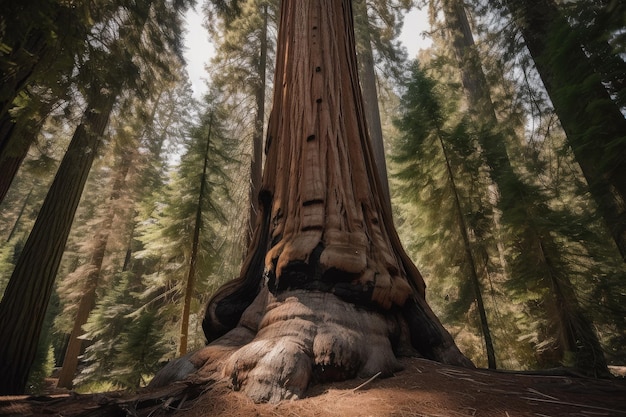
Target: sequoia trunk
(26, 298)
(327, 291)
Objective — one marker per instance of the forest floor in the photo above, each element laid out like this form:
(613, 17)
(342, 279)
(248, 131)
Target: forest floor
(423, 388)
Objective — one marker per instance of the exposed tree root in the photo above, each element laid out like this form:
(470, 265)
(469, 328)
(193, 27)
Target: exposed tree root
(303, 337)
(285, 342)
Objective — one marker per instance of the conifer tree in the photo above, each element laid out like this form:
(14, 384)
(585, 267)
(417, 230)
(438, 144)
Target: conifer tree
(523, 207)
(245, 50)
(594, 125)
(120, 304)
(182, 238)
(126, 150)
(376, 27)
(32, 281)
(428, 138)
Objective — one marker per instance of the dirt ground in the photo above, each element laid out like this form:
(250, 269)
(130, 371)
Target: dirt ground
(423, 388)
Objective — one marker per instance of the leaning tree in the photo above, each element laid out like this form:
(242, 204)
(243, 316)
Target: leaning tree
(327, 291)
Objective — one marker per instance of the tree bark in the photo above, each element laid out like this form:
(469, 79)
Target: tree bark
(256, 163)
(92, 271)
(17, 140)
(594, 125)
(191, 276)
(479, 101)
(327, 292)
(463, 230)
(370, 96)
(570, 323)
(26, 298)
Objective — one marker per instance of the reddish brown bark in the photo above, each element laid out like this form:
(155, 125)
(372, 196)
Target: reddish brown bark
(26, 297)
(327, 291)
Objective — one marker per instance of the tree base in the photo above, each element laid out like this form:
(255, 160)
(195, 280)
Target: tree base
(287, 341)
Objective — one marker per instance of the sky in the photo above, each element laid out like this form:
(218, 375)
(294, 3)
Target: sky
(199, 50)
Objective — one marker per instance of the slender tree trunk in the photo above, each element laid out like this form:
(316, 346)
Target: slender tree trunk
(93, 269)
(17, 142)
(129, 247)
(19, 216)
(256, 164)
(514, 193)
(26, 298)
(478, 95)
(85, 307)
(370, 94)
(15, 76)
(479, 101)
(467, 247)
(191, 276)
(472, 75)
(594, 125)
(327, 292)
(578, 343)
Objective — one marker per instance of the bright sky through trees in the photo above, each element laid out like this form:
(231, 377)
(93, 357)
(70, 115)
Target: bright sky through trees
(199, 49)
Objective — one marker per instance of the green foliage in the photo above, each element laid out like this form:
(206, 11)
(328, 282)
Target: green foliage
(44, 358)
(140, 351)
(125, 338)
(167, 237)
(433, 137)
(532, 228)
(379, 22)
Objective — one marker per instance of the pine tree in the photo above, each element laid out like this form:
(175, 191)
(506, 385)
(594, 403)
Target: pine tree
(594, 124)
(429, 138)
(121, 302)
(27, 298)
(376, 28)
(524, 210)
(183, 238)
(90, 273)
(245, 50)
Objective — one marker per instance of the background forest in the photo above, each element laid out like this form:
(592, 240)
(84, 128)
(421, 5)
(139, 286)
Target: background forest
(127, 201)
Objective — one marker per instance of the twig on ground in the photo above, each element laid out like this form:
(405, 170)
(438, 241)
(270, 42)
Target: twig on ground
(367, 382)
(574, 405)
(534, 391)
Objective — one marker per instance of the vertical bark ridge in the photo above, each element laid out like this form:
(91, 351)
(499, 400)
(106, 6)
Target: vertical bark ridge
(328, 292)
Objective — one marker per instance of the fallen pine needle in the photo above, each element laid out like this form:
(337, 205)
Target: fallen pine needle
(574, 404)
(367, 382)
(534, 391)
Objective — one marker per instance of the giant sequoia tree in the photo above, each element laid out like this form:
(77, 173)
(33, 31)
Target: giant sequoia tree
(327, 292)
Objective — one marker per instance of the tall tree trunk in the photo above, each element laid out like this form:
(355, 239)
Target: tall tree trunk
(327, 292)
(191, 276)
(367, 75)
(17, 142)
(26, 298)
(593, 123)
(467, 247)
(19, 216)
(472, 75)
(16, 71)
(514, 193)
(93, 269)
(478, 96)
(256, 164)
(479, 101)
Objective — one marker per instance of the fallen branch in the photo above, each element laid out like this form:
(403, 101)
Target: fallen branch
(367, 382)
